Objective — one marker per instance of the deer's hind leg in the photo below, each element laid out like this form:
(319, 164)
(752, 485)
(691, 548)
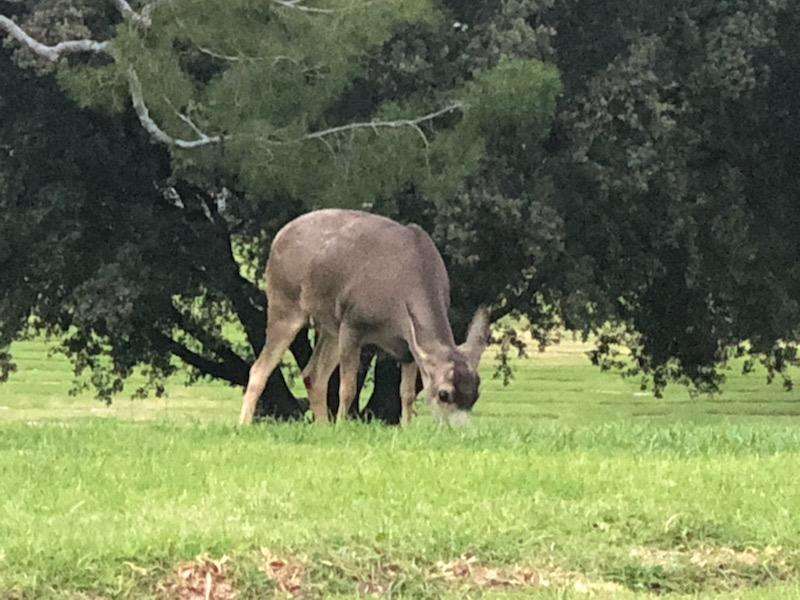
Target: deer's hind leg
(282, 327)
(318, 371)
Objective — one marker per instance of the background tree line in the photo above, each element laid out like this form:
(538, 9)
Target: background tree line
(625, 168)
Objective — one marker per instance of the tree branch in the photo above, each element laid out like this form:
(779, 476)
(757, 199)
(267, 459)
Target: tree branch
(237, 288)
(214, 250)
(413, 123)
(142, 18)
(210, 342)
(295, 4)
(202, 364)
(131, 15)
(242, 58)
(148, 9)
(135, 87)
(54, 53)
(51, 53)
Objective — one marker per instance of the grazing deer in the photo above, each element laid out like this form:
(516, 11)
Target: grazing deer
(364, 279)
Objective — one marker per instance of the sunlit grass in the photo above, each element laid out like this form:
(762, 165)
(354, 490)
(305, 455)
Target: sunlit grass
(559, 384)
(571, 472)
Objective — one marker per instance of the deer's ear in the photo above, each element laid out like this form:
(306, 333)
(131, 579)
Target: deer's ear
(477, 337)
(419, 355)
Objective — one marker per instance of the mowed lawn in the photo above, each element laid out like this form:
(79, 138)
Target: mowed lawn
(568, 483)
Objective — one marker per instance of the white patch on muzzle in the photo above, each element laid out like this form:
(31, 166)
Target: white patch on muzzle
(449, 414)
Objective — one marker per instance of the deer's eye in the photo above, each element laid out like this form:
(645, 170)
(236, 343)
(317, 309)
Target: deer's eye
(444, 396)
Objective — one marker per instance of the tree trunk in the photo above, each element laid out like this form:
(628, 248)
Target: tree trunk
(384, 403)
(278, 402)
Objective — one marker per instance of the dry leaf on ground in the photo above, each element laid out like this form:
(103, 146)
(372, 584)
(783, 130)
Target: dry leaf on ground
(289, 575)
(201, 579)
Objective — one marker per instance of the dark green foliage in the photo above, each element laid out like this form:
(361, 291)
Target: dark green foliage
(624, 168)
(101, 248)
(678, 184)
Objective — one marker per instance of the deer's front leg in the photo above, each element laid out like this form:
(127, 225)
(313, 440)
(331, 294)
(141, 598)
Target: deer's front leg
(349, 361)
(281, 330)
(408, 391)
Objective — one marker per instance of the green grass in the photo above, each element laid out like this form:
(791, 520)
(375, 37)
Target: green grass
(569, 473)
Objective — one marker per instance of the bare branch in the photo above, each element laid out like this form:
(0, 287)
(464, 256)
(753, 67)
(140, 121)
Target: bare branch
(329, 147)
(54, 53)
(51, 53)
(227, 57)
(147, 10)
(135, 87)
(242, 58)
(375, 125)
(125, 8)
(185, 118)
(295, 4)
(131, 15)
(143, 17)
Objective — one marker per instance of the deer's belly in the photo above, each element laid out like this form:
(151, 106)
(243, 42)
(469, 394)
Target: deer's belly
(392, 345)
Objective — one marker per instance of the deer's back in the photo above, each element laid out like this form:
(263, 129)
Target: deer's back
(343, 264)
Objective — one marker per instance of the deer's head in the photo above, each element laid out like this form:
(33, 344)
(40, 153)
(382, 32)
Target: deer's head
(452, 382)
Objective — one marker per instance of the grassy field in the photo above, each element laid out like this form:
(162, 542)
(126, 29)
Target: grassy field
(569, 483)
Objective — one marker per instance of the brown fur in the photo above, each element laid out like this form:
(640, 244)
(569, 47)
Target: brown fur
(364, 279)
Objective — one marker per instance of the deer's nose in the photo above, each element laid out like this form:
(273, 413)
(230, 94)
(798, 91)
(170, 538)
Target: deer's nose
(466, 401)
(445, 396)
(469, 402)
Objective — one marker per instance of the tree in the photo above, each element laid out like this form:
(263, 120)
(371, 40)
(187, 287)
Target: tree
(652, 203)
(677, 179)
(107, 254)
(662, 205)
(238, 165)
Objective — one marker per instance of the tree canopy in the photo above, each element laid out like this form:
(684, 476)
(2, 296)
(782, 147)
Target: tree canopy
(626, 169)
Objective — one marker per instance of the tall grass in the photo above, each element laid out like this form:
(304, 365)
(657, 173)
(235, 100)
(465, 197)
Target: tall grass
(107, 503)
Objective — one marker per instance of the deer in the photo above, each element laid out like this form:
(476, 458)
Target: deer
(358, 278)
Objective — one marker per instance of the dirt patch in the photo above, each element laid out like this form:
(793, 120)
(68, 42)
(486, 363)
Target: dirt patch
(729, 400)
(699, 556)
(379, 581)
(468, 571)
(201, 579)
(288, 574)
(690, 570)
(646, 569)
(755, 413)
